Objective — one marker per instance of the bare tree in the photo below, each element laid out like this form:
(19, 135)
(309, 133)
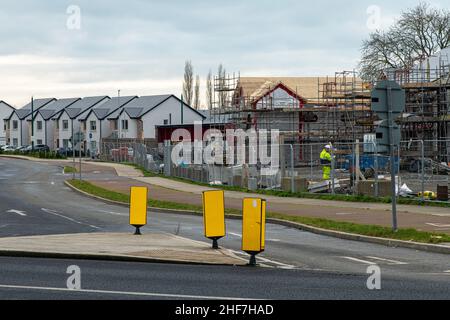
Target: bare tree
(419, 33)
(188, 84)
(209, 91)
(223, 94)
(197, 93)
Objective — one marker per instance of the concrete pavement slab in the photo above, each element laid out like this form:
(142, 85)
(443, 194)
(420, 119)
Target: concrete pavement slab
(160, 247)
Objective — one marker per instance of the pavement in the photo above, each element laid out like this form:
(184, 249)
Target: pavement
(156, 246)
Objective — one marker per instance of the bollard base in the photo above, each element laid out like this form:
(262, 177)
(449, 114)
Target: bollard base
(215, 244)
(137, 232)
(252, 261)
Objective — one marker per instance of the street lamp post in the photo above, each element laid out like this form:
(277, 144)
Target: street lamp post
(32, 124)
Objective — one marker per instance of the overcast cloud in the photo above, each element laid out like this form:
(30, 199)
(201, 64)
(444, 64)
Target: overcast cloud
(140, 46)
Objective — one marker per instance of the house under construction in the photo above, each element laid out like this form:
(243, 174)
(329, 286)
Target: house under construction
(337, 109)
(306, 110)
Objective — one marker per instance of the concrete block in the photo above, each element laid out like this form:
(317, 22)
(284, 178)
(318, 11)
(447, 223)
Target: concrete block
(300, 184)
(367, 188)
(252, 184)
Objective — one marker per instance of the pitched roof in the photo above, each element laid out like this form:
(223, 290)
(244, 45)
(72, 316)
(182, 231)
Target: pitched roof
(140, 106)
(25, 111)
(7, 104)
(53, 108)
(103, 110)
(83, 105)
(306, 87)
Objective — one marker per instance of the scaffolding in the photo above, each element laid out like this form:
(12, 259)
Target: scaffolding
(337, 110)
(427, 112)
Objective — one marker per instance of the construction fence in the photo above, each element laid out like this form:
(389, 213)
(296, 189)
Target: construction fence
(356, 168)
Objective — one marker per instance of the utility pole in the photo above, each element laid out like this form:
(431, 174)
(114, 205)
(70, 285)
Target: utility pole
(32, 124)
(182, 120)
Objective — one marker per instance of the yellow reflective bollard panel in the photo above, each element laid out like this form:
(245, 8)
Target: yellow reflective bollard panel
(253, 227)
(214, 215)
(138, 208)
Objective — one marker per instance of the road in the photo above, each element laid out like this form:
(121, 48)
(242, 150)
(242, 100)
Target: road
(298, 265)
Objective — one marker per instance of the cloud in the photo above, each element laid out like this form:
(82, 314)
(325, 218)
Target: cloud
(143, 44)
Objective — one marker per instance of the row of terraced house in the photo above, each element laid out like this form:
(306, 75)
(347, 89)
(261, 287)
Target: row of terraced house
(57, 121)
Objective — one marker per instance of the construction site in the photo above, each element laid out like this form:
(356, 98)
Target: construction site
(311, 112)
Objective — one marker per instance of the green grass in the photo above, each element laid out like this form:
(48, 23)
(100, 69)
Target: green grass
(121, 197)
(305, 195)
(39, 155)
(368, 230)
(69, 169)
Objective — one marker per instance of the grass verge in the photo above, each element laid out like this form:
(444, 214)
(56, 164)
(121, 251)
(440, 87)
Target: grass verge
(367, 230)
(306, 195)
(69, 169)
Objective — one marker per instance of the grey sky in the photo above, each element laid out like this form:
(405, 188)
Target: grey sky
(140, 46)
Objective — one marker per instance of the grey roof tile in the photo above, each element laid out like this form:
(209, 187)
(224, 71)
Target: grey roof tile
(25, 111)
(53, 108)
(83, 105)
(104, 109)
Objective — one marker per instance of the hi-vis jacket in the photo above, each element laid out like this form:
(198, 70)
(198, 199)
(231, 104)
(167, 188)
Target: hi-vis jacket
(325, 158)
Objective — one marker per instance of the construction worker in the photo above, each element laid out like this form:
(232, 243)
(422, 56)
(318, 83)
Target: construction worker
(325, 161)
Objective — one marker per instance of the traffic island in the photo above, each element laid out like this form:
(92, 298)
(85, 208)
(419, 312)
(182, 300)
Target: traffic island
(152, 247)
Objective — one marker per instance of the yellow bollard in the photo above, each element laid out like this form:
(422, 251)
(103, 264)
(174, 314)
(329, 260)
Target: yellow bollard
(253, 227)
(138, 208)
(214, 215)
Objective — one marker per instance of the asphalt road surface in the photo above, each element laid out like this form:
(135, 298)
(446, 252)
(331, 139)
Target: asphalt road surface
(295, 265)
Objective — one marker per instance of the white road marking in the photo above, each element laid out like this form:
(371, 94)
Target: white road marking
(438, 225)
(112, 212)
(235, 234)
(440, 214)
(129, 293)
(387, 260)
(240, 236)
(19, 212)
(343, 213)
(448, 271)
(280, 264)
(53, 212)
(360, 260)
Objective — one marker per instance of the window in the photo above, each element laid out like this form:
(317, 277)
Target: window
(15, 142)
(4, 125)
(65, 124)
(65, 143)
(93, 125)
(39, 141)
(124, 124)
(57, 143)
(166, 121)
(57, 125)
(15, 124)
(39, 125)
